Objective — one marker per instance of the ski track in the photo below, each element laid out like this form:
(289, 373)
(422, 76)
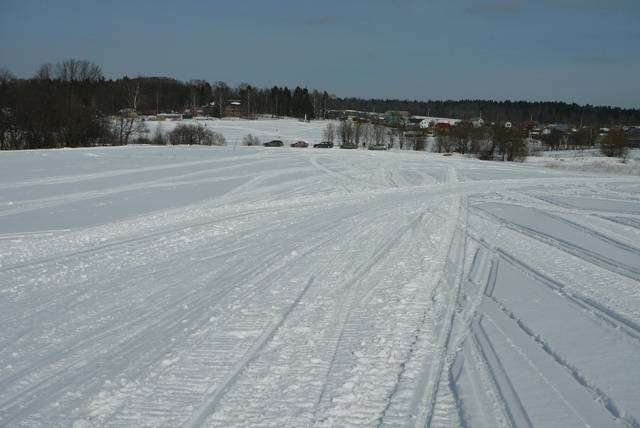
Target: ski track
(315, 288)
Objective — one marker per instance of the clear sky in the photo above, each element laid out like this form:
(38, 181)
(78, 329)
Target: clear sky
(584, 51)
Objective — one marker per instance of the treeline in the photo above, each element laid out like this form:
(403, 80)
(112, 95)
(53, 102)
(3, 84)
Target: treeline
(71, 104)
(486, 142)
(489, 142)
(57, 108)
(500, 111)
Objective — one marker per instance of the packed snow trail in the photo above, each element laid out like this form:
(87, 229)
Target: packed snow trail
(182, 286)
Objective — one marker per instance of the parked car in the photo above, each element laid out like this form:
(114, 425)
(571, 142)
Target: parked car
(273, 143)
(324, 145)
(300, 144)
(348, 146)
(378, 147)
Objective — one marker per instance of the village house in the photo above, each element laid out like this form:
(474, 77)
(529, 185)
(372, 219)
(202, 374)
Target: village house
(477, 122)
(233, 108)
(428, 122)
(396, 118)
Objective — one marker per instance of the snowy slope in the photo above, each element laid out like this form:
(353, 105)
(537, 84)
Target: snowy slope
(195, 286)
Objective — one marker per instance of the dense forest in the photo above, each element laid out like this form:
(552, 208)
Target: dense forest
(71, 104)
(501, 111)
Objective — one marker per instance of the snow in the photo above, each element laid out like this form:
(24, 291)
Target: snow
(233, 129)
(251, 286)
(589, 161)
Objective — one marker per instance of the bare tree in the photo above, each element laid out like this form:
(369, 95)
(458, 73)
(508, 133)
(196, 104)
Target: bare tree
(367, 133)
(220, 90)
(45, 72)
(6, 76)
(207, 137)
(329, 133)
(460, 137)
(127, 121)
(391, 137)
(357, 132)
(445, 143)
(420, 142)
(72, 70)
(159, 137)
(9, 133)
(378, 134)
(127, 124)
(195, 134)
(510, 143)
(346, 131)
(134, 95)
(401, 140)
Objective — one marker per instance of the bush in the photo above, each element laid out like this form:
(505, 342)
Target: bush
(486, 154)
(196, 135)
(614, 144)
(216, 139)
(142, 140)
(250, 140)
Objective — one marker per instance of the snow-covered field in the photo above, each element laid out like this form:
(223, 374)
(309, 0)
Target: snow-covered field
(589, 161)
(287, 130)
(234, 286)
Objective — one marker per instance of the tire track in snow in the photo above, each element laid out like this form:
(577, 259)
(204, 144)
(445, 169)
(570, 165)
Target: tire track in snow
(608, 316)
(344, 313)
(107, 174)
(617, 322)
(482, 341)
(424, 363)
(232, 376)
(134, 344)
(282, 355)
(198, 356)
(457, 254)
(149, 236)
(595, 258)
(513, 406)
(600, 396)
(478, 374)
(625, 221)
(176, 235)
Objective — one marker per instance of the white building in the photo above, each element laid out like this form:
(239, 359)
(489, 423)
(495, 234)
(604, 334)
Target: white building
(427, 121)
(477, 122)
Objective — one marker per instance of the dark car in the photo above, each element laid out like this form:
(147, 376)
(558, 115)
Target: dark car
(273, 143)
(348, 146)
(300, 144)
(324, 145)
(378, 147)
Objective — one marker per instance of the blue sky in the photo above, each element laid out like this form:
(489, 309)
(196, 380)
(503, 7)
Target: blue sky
(584, 51)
